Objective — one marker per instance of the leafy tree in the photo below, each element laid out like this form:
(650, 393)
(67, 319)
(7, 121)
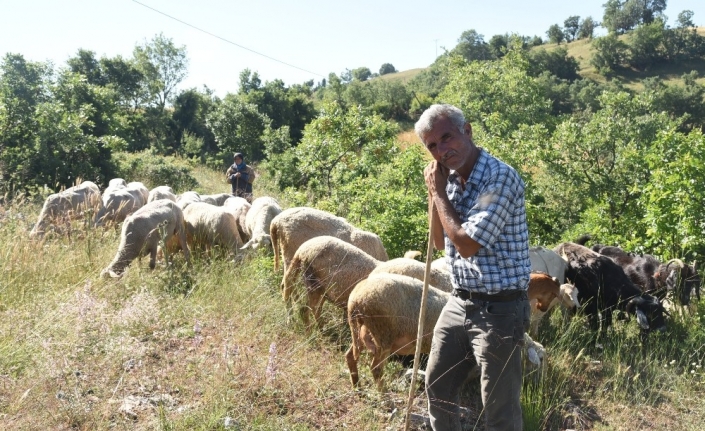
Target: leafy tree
(646, 45)
(555, 34)
(610, 53)
(498, 45)
(86, 64)
(238, 127)
(74, 91)
(683, 103)
(570, 27)
(189, 119)
(361, 74)
(557, 62)
(387, 68)
(685, 19)
(472, 46)
(339, 145)
(164, 66)
(536, 41)
(497, 96)
(587, 28)
(674, 198)
(123, 77)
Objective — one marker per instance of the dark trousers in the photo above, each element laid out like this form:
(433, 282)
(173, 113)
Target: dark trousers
(489, 334)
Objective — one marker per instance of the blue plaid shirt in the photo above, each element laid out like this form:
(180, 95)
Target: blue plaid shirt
(491, 207)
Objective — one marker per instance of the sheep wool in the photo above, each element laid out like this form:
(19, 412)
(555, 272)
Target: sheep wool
(141, 233)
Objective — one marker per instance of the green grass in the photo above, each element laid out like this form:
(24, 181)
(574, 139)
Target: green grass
(180, 349)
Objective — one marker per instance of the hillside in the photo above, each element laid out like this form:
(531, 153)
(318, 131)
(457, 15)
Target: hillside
(582, 51)
(210, 348)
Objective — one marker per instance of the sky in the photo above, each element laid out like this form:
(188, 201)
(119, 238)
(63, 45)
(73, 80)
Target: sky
(294, 41)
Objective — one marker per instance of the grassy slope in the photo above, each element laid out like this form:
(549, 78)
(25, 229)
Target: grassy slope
(180, 350)
(582, 51)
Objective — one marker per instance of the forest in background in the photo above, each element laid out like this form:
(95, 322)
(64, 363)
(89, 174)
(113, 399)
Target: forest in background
(596, 155)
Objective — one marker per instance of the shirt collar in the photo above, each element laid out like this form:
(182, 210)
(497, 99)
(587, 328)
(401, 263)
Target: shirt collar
(477, 172)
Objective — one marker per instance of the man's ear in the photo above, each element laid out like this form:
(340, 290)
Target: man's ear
(467, 129)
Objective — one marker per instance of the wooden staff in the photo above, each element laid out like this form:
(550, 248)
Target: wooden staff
(422, 317)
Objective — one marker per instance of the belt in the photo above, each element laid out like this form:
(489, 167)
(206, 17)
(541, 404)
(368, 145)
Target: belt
(505, 296)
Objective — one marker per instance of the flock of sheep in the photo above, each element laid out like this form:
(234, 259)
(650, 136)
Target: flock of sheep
(323, 257)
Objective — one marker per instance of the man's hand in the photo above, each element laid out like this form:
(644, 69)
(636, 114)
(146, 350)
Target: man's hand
(436, 177)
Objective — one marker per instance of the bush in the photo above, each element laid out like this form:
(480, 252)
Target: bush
(155, 170)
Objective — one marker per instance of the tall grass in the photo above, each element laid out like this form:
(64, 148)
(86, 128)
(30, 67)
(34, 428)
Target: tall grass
(209, 348)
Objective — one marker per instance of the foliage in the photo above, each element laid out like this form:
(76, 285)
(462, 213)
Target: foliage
(555, 34)
(675, 195)
(570, 27)
(164, 66)
(587, 28)
(556, 62)
(610, 53)
(341, 145)
(496, 96)
(472, 46)
(154, 170)
(361, 74)
(238, 127)
(387, 68)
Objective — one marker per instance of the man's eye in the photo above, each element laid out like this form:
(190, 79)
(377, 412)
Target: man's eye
(431, 147)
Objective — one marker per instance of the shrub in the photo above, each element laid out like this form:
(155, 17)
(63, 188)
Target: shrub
(155, 170)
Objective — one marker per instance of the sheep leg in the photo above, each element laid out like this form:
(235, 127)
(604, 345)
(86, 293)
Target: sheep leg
(315, 304)
(352, 366)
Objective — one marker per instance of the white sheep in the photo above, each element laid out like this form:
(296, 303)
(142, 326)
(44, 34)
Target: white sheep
(239, 207)
(294, 226)
(383, 314)
(118, 203)
(69, 204)
(142, 232)
(208, 225)
(116, 183)
(161, 192)
(258, 220)
(217, 199)
(549, 262)
(141, 188)
(438, 278)
(330, 268)
(187, 198)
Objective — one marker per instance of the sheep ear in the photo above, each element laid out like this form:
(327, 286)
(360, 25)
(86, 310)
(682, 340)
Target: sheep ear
(641, 319)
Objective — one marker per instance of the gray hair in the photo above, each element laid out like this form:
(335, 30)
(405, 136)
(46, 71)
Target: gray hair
(435, 113)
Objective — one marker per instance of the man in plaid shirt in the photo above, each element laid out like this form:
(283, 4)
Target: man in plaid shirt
(479, 217)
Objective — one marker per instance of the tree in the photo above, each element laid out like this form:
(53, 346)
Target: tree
(685, 19)
(472, 46)
(557, 62)
(570, 27)
(237, 126)
(387, 68)
(87, 65)
(610, 53)
(361, 74)
(164, 66)
(646, 45)
(587, 28)
(498, 45)
(555, 34)
(340, 145)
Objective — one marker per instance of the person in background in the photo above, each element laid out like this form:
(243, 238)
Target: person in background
(479, 217)
(238, 175)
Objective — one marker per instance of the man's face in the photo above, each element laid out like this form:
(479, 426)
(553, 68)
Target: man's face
(448, 145)
(238, 160)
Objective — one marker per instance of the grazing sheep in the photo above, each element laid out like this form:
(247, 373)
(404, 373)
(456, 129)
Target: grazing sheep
(383, 314)
(438, 278)
(239, 207)
(116, 183)
(294, 226)
(330, 269)
(216, 199)
(161, 192)
(142, 231)
(208, 225)
(187, 198)
(141, 188)
(440, 264)
(119, 203)
(69, 204)
(258, 221)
